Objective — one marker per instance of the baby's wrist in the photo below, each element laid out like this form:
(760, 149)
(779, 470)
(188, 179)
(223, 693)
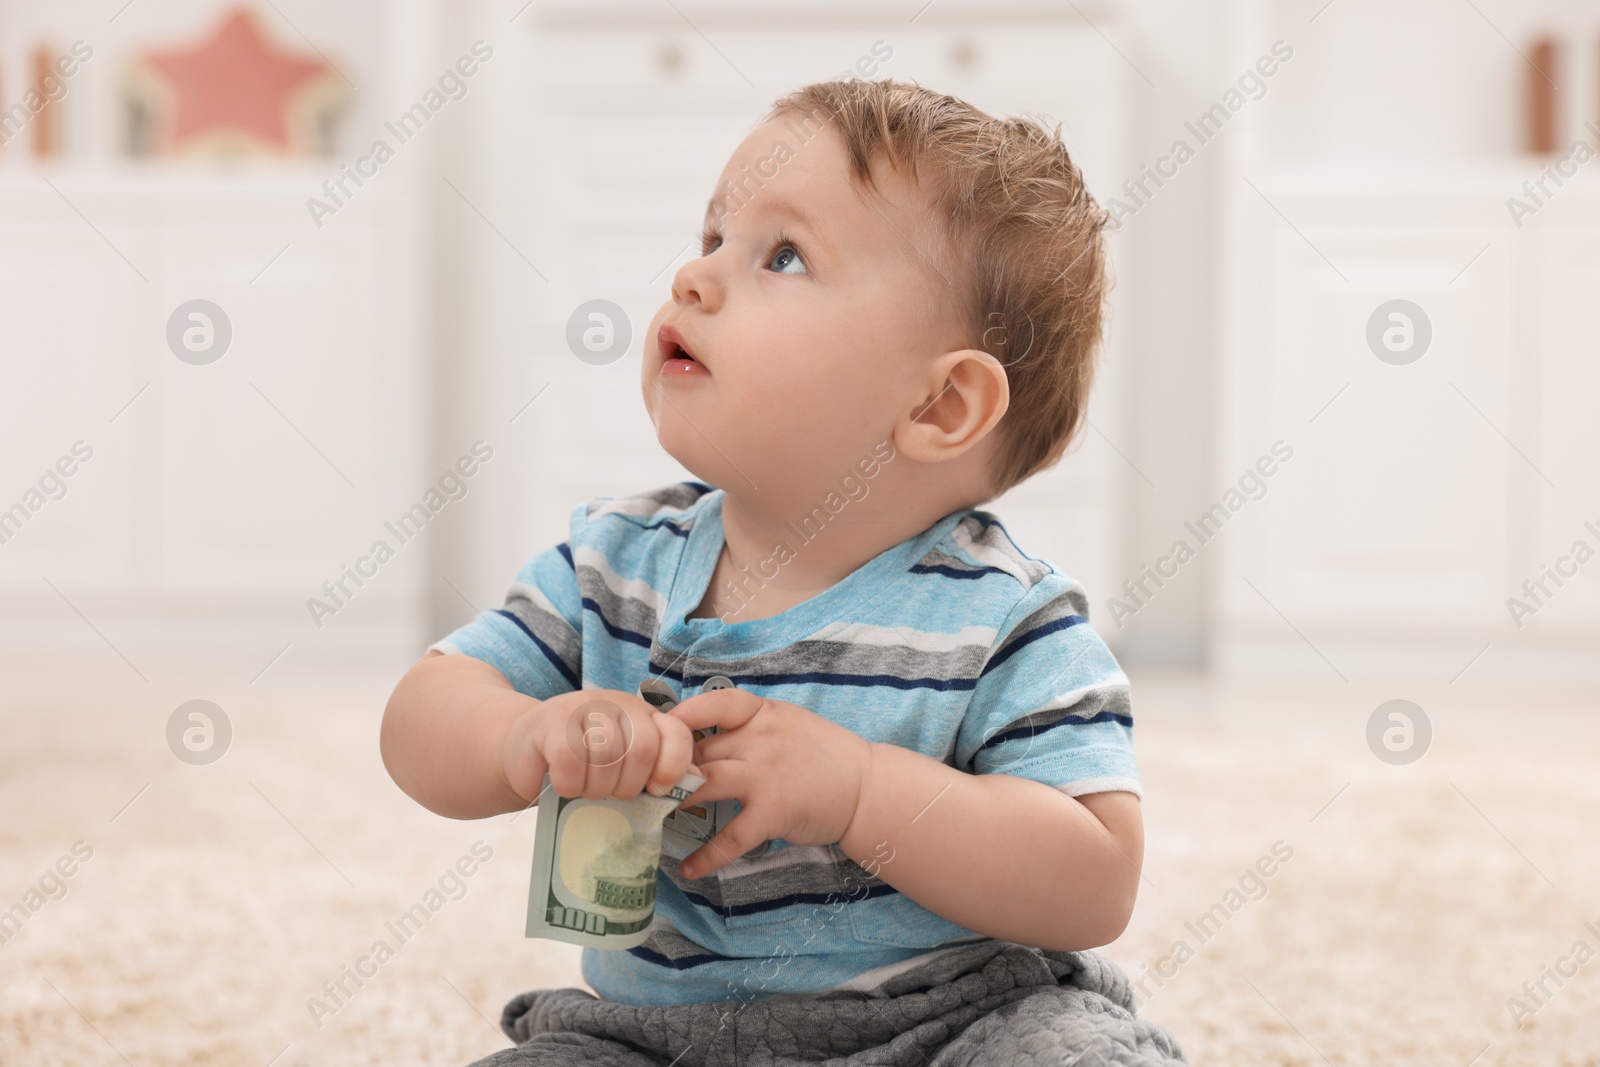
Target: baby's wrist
(521, 761)
(856, 822)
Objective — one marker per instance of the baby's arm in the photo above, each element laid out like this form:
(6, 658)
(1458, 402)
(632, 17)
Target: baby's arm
(445, 733)
(462, 742)
(1004, 856)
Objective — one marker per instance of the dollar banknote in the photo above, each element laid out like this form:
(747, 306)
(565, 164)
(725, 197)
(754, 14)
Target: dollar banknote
(595, 864)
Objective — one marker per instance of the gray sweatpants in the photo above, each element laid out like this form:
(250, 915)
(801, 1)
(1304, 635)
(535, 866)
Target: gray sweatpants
(992, 1002)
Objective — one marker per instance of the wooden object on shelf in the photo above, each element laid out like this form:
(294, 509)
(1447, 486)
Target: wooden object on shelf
(1541, 97)
(46, 124)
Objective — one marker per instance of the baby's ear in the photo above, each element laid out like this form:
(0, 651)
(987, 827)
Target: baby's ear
(964, 395)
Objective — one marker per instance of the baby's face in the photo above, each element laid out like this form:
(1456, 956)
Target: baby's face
(812, 314)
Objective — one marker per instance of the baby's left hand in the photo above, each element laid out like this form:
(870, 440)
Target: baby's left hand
(797, 775)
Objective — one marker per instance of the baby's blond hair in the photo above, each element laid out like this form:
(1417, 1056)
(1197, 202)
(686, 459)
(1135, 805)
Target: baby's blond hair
(1018, 215)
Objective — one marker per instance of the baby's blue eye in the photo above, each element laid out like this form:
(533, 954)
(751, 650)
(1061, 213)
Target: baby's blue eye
(789, 256)
(786, 258)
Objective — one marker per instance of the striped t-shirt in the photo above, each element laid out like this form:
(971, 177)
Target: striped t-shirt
(954, 643)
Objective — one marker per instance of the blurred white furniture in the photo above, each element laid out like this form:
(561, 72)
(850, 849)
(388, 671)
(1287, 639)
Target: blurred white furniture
(219, 498)
(228, 491)
(1420, 496)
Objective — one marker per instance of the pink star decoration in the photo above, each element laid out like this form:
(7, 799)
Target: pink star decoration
(236, 93)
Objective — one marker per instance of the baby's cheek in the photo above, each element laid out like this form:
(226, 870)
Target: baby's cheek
(803, 409)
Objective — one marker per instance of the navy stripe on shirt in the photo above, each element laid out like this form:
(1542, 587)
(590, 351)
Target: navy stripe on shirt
(1067, 720)
(1031, 636)
(952, 572)
(682, 963)
(861, 681)
(630, 636)
(756, 907)
(549, 653)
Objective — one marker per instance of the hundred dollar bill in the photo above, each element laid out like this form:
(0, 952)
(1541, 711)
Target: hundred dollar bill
(595, 864)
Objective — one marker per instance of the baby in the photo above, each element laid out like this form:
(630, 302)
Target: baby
(893, 318)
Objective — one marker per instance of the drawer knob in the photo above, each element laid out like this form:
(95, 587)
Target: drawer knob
(670, 57)
(963, 53)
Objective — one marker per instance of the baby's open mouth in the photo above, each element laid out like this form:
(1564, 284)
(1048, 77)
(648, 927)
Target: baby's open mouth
(676, 358)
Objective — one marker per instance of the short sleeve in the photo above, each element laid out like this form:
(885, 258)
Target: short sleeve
(536, 639)
(1051, 703)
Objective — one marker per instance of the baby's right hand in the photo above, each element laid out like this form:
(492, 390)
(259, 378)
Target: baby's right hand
(596, 743)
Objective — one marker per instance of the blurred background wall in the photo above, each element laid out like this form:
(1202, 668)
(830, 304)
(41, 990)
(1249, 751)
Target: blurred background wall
(358, 339)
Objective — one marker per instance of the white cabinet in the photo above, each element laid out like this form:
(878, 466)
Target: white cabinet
(219, 497)
(1420, 495)
(66, 304)
(225, 491)
(1566, 324)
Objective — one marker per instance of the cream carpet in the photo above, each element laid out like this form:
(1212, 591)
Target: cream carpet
(215, 905)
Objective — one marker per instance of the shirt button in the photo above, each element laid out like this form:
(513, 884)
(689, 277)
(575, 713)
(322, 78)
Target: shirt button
(715, 682)
(658, 693)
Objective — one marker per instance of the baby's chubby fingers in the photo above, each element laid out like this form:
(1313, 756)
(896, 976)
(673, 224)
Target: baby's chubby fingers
(725, 779)
(727, 708)
(747, 830)
(643, 741)
(674, 753)
(726, 745)
(589, 739)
